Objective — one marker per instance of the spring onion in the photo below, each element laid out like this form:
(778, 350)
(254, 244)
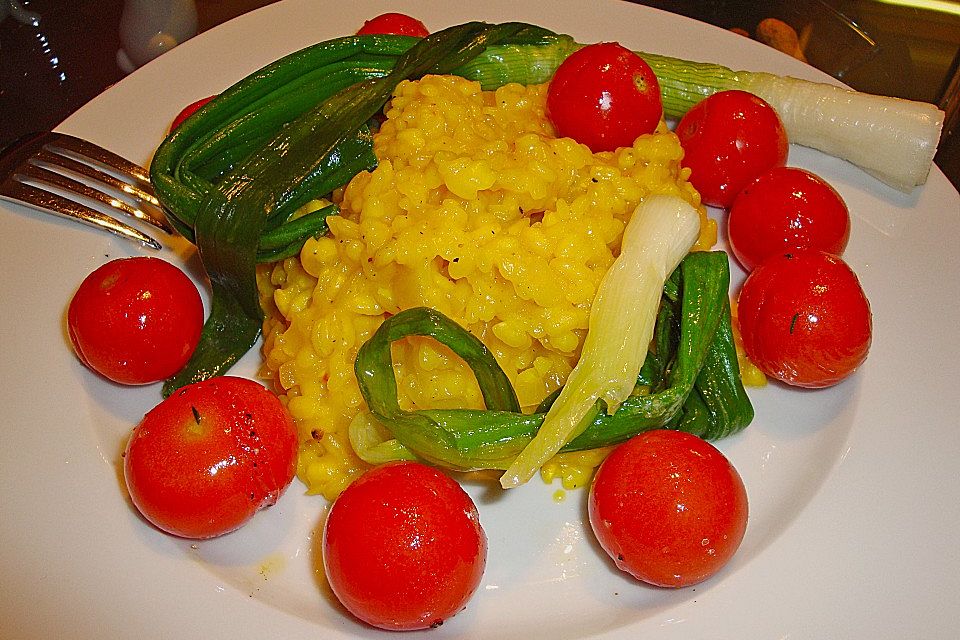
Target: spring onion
(689, 381)
(660, 233)
(892, 139)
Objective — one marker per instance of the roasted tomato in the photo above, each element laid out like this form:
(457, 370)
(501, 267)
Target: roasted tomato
(604, 96)
(403, 547)
(397, 24)
(189, 110)
(728, 140)
(135, 320)
(804, 318)
(668, 508)
(784, 210)
(206, 459)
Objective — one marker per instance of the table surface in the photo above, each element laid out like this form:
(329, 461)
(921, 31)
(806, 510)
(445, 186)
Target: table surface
(50, 70)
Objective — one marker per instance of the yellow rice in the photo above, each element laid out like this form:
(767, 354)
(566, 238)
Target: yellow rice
(475, 209)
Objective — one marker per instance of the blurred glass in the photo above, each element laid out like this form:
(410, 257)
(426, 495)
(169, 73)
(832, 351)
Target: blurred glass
(151, 27)
(830, 40)
(18, 12)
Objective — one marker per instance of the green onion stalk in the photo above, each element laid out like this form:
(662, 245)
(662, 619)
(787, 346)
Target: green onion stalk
(690, 381)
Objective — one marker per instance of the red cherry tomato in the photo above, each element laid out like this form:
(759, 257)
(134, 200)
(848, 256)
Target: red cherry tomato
(397, 24)
(784, 210)
(403, 547)
(604, 96)
(189, 110)
(804, 319)
(135, 320)
(728, 140)
(668, 508)
(206, 459)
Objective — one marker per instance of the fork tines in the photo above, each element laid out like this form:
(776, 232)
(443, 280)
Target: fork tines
(62, 174)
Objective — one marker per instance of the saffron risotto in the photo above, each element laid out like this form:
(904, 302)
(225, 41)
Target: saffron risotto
(478, 210)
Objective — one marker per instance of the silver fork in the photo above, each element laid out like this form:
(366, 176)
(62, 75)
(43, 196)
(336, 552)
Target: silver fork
(68, 176)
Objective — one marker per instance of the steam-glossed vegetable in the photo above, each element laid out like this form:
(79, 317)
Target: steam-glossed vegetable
(393, 23)
(604, 96)
(787, 209)
(728, 140)
(668, 508)
(403, 548)
(205, 460)
(805, 319)
(135, 320)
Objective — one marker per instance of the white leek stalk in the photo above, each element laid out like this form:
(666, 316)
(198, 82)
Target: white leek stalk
(658, 236)
(892, 139)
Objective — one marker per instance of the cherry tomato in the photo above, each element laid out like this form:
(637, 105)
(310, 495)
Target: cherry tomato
(206, 459)
(403, 547)
(668, 508)
(604, 96)
(804, 319)
(728, 140)
(189, 110)
(397, 24)
(783, 210)
(135, 320)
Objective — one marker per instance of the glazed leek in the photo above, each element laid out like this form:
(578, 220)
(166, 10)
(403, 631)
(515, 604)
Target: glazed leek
(892, 139)
(659, 234)
(690, 381)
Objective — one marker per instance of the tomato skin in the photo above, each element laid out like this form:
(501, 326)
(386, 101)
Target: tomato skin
(135, 320)
(205, 460)
(804, 319)
(786, 209)
(403, 547)
(668, 508)
(604, 96)
(189, 110)
(730, 138)
(398, 24)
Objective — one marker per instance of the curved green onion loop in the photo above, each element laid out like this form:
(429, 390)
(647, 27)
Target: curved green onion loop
(691, 373)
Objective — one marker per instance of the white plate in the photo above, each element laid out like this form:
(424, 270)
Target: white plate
(854, 491)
